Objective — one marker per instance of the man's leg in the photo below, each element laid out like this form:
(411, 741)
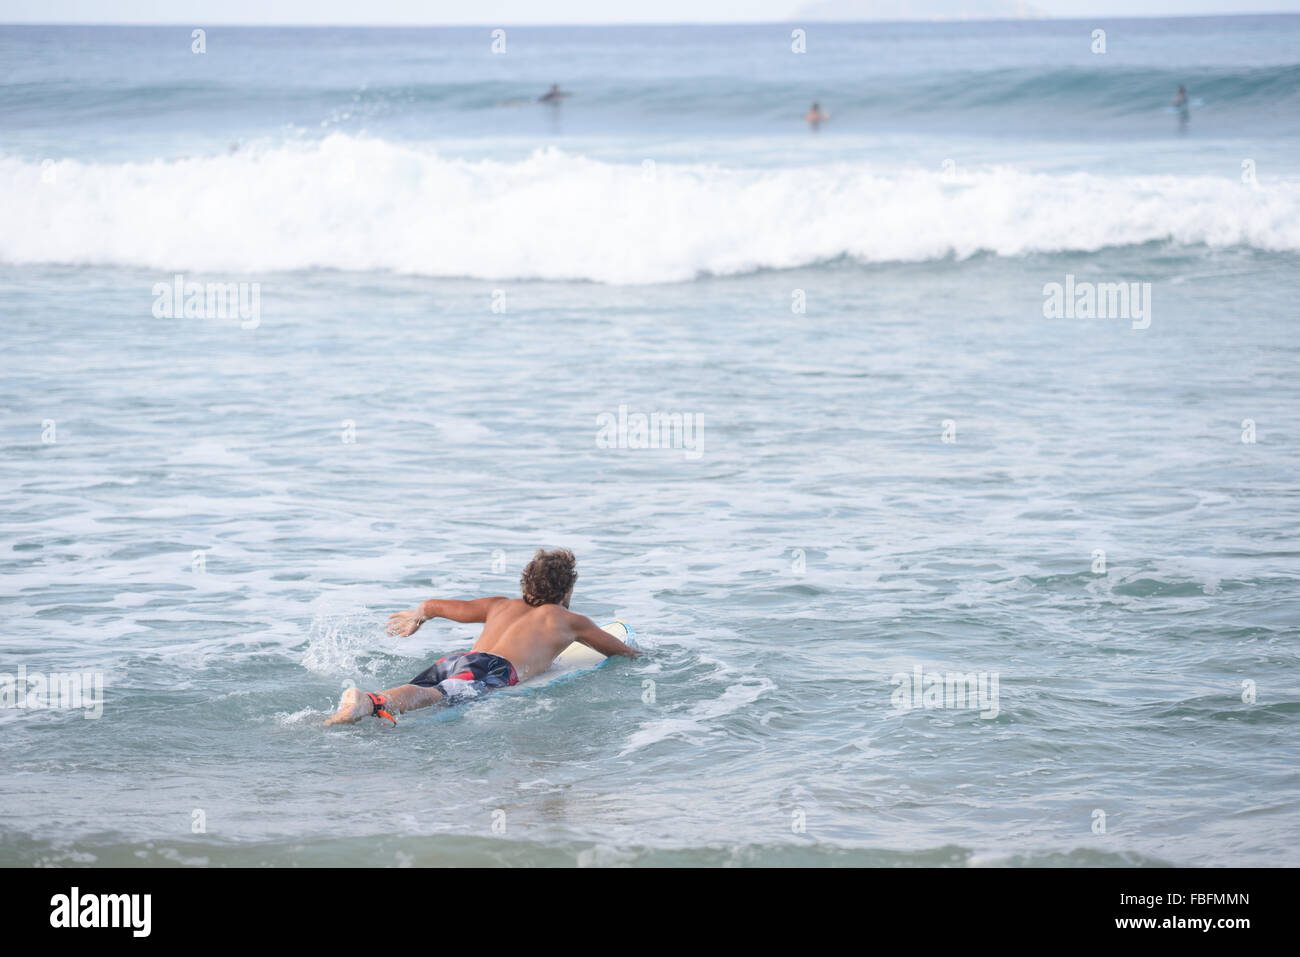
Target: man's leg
(355, 704)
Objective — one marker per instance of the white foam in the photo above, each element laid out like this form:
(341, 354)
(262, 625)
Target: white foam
(343, 631)
(209, 452)
(366, 204)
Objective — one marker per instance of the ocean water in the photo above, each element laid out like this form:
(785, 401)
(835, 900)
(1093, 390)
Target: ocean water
(894, 462)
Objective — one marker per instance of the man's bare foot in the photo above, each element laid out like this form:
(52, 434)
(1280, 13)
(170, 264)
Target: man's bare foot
(353, 706)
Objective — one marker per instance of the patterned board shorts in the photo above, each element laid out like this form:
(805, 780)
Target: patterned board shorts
(467, 674)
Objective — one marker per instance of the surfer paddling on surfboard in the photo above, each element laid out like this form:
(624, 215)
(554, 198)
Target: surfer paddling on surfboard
(520, 639)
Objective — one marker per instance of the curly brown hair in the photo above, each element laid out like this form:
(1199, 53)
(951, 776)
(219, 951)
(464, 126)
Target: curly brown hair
(549, 577)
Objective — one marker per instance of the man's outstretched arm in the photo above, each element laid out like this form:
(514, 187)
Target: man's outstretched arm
(406, 623)
(596, 638)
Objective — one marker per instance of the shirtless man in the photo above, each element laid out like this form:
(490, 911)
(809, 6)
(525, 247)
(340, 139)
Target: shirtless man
(520, 639)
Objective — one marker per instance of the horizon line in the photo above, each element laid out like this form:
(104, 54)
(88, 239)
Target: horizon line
(650, 23)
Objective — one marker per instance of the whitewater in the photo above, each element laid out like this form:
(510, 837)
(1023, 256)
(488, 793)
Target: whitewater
(361, 205)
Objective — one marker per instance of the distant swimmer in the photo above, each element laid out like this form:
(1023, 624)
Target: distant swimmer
(554, 95)
(815, 116)
(1182, 106)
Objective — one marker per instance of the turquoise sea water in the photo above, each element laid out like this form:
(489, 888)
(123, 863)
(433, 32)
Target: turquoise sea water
(918, 469)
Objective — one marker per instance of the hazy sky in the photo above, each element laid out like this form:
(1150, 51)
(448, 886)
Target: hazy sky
(488, 12)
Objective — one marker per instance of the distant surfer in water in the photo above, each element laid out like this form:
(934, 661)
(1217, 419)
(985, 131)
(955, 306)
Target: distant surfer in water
(1181, 106)
(520, 639)
(554, 95)
(815, 116)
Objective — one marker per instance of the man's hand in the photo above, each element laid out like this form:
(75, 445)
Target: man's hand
(405, 623)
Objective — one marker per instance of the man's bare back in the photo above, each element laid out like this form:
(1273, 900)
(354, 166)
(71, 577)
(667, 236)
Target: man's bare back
(529, 637)
(520, 639)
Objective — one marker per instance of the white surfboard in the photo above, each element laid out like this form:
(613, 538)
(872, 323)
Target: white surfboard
(578, 658)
